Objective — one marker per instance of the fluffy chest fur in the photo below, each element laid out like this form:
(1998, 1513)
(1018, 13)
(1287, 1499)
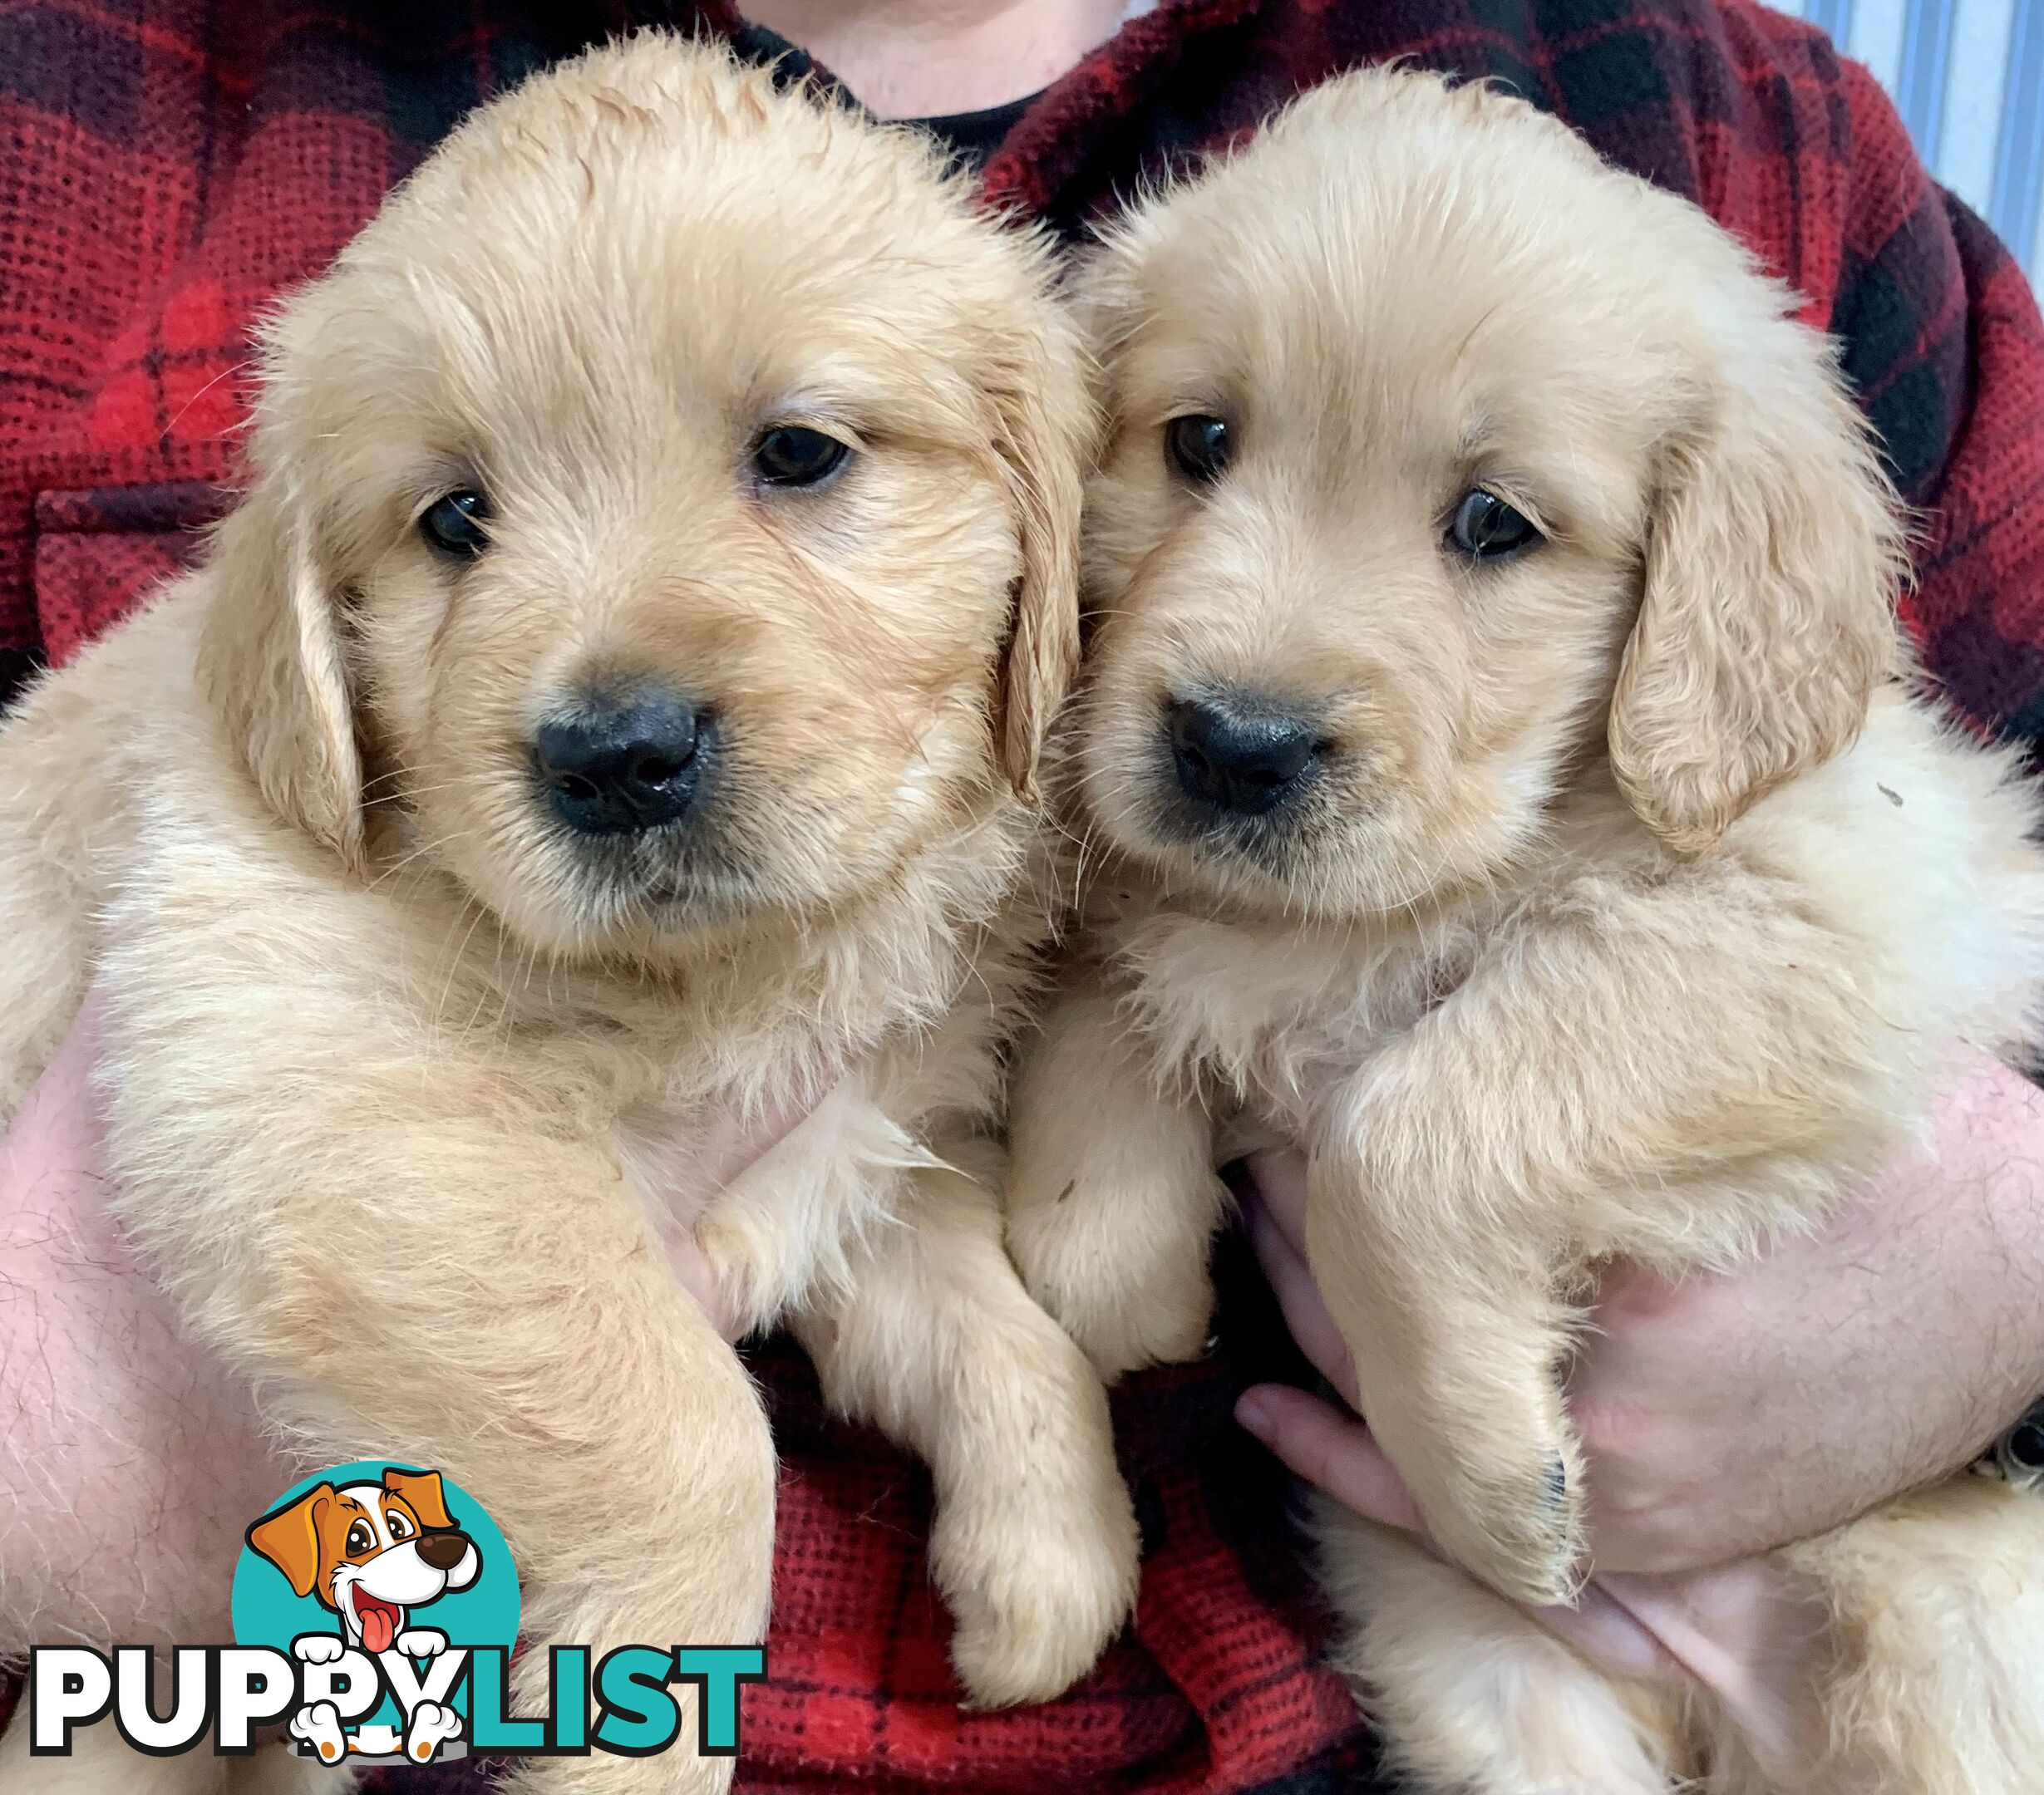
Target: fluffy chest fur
(1911, 862)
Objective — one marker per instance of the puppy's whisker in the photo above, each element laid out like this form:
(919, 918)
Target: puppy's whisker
(230, 372)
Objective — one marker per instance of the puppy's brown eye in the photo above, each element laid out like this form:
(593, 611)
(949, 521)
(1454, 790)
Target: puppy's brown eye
(453, 523)
(360, 1539)
(1200, 447)
(401, 1528)
(792, 454)
(1486, 528)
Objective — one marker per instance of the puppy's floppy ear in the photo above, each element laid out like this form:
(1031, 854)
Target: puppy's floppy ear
(1044, 434)
(423, 1490)
(289, 1538)
(1766, 616)
(272, 664)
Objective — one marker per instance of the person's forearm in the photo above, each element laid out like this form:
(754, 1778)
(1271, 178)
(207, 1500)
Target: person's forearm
(1729, 1414)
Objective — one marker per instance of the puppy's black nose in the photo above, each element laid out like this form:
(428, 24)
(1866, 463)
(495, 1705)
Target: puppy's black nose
(616, 769)
(1239, 756)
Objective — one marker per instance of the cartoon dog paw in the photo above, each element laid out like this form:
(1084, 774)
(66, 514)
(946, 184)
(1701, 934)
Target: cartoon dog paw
(317, 1648)
(422, 1642)
(432, 1725)
(319, 1726)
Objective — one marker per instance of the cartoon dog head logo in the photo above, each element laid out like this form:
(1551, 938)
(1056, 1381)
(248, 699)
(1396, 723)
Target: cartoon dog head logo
(392, 1591)
(373, 1553)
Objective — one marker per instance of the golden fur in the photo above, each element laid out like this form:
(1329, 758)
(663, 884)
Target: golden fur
(390, 1056)
(1635, 907)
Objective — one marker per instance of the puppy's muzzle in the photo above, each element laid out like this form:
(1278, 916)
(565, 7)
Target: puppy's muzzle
(622, 767)
(1240, 754)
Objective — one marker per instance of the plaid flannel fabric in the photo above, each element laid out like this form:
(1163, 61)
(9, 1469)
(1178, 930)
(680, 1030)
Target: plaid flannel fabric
(172, 164)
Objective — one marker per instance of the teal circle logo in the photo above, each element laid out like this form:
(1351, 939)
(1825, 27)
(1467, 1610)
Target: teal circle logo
(385, 1561)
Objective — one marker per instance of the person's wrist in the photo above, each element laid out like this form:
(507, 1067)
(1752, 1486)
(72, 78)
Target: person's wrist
(1753, 1634)
(1725, 1415)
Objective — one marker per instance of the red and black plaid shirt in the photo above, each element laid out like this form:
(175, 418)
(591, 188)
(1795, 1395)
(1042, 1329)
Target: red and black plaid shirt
(171, 164)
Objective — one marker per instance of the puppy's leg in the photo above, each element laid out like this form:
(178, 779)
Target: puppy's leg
(1456, 1342)
(1112, 1200)
(47, 892)
(792, 1222)
(1633, 1075)
(101, 1762)
(1035, 1543)
(1471, 1695)
(408, 1274)
(1936, 1681)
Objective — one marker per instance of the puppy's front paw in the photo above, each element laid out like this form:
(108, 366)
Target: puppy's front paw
(1029, 1630)
(422, 1642)
(317, 1648)
(1128, 1298)
(1039, 1568)
(1504, 1502)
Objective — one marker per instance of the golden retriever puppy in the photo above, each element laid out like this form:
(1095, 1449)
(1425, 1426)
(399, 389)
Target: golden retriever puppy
(608, 706)
(1506, 780)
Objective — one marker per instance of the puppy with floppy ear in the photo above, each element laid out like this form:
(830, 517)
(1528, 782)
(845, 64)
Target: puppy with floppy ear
(1040, 421)
(1503, 784)
(275, 673)
(1757, 649)
(615, 705)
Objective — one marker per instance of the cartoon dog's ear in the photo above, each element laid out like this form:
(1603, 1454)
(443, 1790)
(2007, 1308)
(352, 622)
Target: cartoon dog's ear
(289, 1538)
(1046, 429)
(423, 1490)
(272, 665)
(1766, 617)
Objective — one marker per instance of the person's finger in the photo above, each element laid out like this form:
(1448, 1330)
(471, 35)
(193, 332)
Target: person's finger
(1331, 1449)
(1755, 1635)
(1611, 1637)
(1292, 1281)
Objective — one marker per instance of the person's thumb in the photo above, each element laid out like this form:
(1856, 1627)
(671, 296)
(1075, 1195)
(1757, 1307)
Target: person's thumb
(1329, 1448)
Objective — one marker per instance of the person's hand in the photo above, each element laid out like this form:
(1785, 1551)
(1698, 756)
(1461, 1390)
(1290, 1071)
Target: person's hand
(132, 1458)
(1725, 1415)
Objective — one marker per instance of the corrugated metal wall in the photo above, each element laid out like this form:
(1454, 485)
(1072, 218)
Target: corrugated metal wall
(1969, 77)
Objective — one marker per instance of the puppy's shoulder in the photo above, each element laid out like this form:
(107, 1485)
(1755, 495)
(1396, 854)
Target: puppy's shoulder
(1915, 806)
(1920, 846)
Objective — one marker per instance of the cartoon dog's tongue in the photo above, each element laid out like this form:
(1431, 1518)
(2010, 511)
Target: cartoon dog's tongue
(379, 1621)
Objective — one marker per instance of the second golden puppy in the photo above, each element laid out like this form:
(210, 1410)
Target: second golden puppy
(606, 708)
(1505, 782)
